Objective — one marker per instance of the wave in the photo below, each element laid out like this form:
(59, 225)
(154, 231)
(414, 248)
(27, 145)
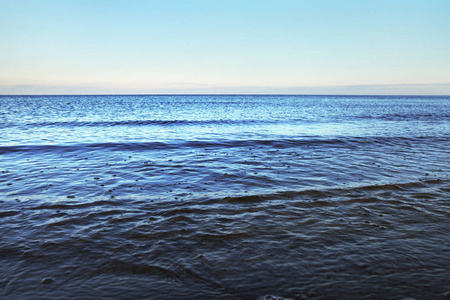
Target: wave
(84, 123)
(440, 116)
(427, 189)
(141, 123)
(225, 143)
(356, 194)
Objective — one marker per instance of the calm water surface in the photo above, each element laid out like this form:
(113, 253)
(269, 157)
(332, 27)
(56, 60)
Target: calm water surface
(224, 197)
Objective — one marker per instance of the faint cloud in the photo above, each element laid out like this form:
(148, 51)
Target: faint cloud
(36, 89)
(189, 84)
(379, 89)
(198, 88)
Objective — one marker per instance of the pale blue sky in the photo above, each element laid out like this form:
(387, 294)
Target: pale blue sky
(331, 47)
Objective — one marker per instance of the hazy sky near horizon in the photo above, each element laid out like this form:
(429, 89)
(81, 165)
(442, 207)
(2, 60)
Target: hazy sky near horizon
(112, 46)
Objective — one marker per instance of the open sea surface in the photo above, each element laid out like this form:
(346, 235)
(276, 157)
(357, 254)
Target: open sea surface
(224, 197)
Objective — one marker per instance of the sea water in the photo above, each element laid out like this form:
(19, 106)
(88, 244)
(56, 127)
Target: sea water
(224, 197)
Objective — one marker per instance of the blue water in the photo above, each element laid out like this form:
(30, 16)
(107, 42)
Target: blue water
(224, 197)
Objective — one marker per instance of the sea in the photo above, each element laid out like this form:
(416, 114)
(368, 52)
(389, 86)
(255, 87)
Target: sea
(224, 197)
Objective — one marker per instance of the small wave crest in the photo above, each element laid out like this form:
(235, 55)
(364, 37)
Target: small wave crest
(305, 141)
(78, 123)
(320, 196)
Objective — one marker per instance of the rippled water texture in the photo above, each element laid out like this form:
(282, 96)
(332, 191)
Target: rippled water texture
(224, 197)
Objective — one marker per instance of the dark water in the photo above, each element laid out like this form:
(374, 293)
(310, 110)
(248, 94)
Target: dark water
(224, 197)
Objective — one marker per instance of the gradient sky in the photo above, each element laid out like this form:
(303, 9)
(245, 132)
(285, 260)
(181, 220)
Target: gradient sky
(227, 46)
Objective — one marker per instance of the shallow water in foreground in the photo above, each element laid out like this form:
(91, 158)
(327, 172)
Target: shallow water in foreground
(224, 197)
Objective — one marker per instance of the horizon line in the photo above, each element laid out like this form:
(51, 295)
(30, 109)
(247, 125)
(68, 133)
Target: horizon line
(231, 94)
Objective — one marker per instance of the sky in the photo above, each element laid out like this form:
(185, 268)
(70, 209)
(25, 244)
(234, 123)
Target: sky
(225, 47)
